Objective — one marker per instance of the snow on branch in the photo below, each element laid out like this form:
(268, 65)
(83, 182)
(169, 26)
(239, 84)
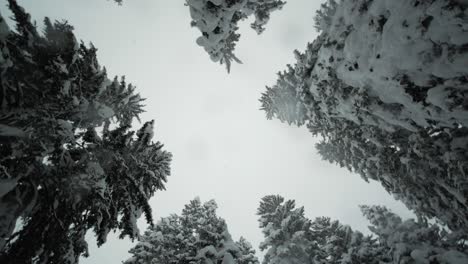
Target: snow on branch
(217, 20)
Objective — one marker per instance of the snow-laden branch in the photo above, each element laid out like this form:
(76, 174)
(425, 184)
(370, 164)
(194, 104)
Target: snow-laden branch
(217, 20)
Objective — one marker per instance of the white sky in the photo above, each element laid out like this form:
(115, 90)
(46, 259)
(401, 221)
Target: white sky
(223, 146)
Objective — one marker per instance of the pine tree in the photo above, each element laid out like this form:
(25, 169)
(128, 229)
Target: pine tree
(326, 241)
(387, 101)
(415, 242)
(68, 161)
(164, 243)
(198, 235)
(217, 21)
(247, 253)
(288, 236)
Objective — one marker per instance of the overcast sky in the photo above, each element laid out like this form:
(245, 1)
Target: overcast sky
(223, 146)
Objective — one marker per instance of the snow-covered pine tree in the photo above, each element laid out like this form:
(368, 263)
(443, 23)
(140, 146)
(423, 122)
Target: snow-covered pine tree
(340, 244)
(165, 242)
(217, 20)
(288, 236)
(384, 85)
(198, 235)
(329, 242)
(410, 241)
(68, 162)
(247, 253)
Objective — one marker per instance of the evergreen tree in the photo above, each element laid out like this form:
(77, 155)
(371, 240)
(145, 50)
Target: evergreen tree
(288, 236)
(329, 242)
(217, 20)
(68, 161)
(198, 235)
(415, 242)
(247, 253)
(389, 102)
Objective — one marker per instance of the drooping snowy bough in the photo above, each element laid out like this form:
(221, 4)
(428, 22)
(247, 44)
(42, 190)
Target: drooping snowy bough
(68, 161)
(218, 19)
(386, 85)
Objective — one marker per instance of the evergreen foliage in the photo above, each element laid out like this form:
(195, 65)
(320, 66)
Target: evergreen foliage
(198, 235)
(217, 20)
(68, 159)
(290, 237)
(389, 102)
